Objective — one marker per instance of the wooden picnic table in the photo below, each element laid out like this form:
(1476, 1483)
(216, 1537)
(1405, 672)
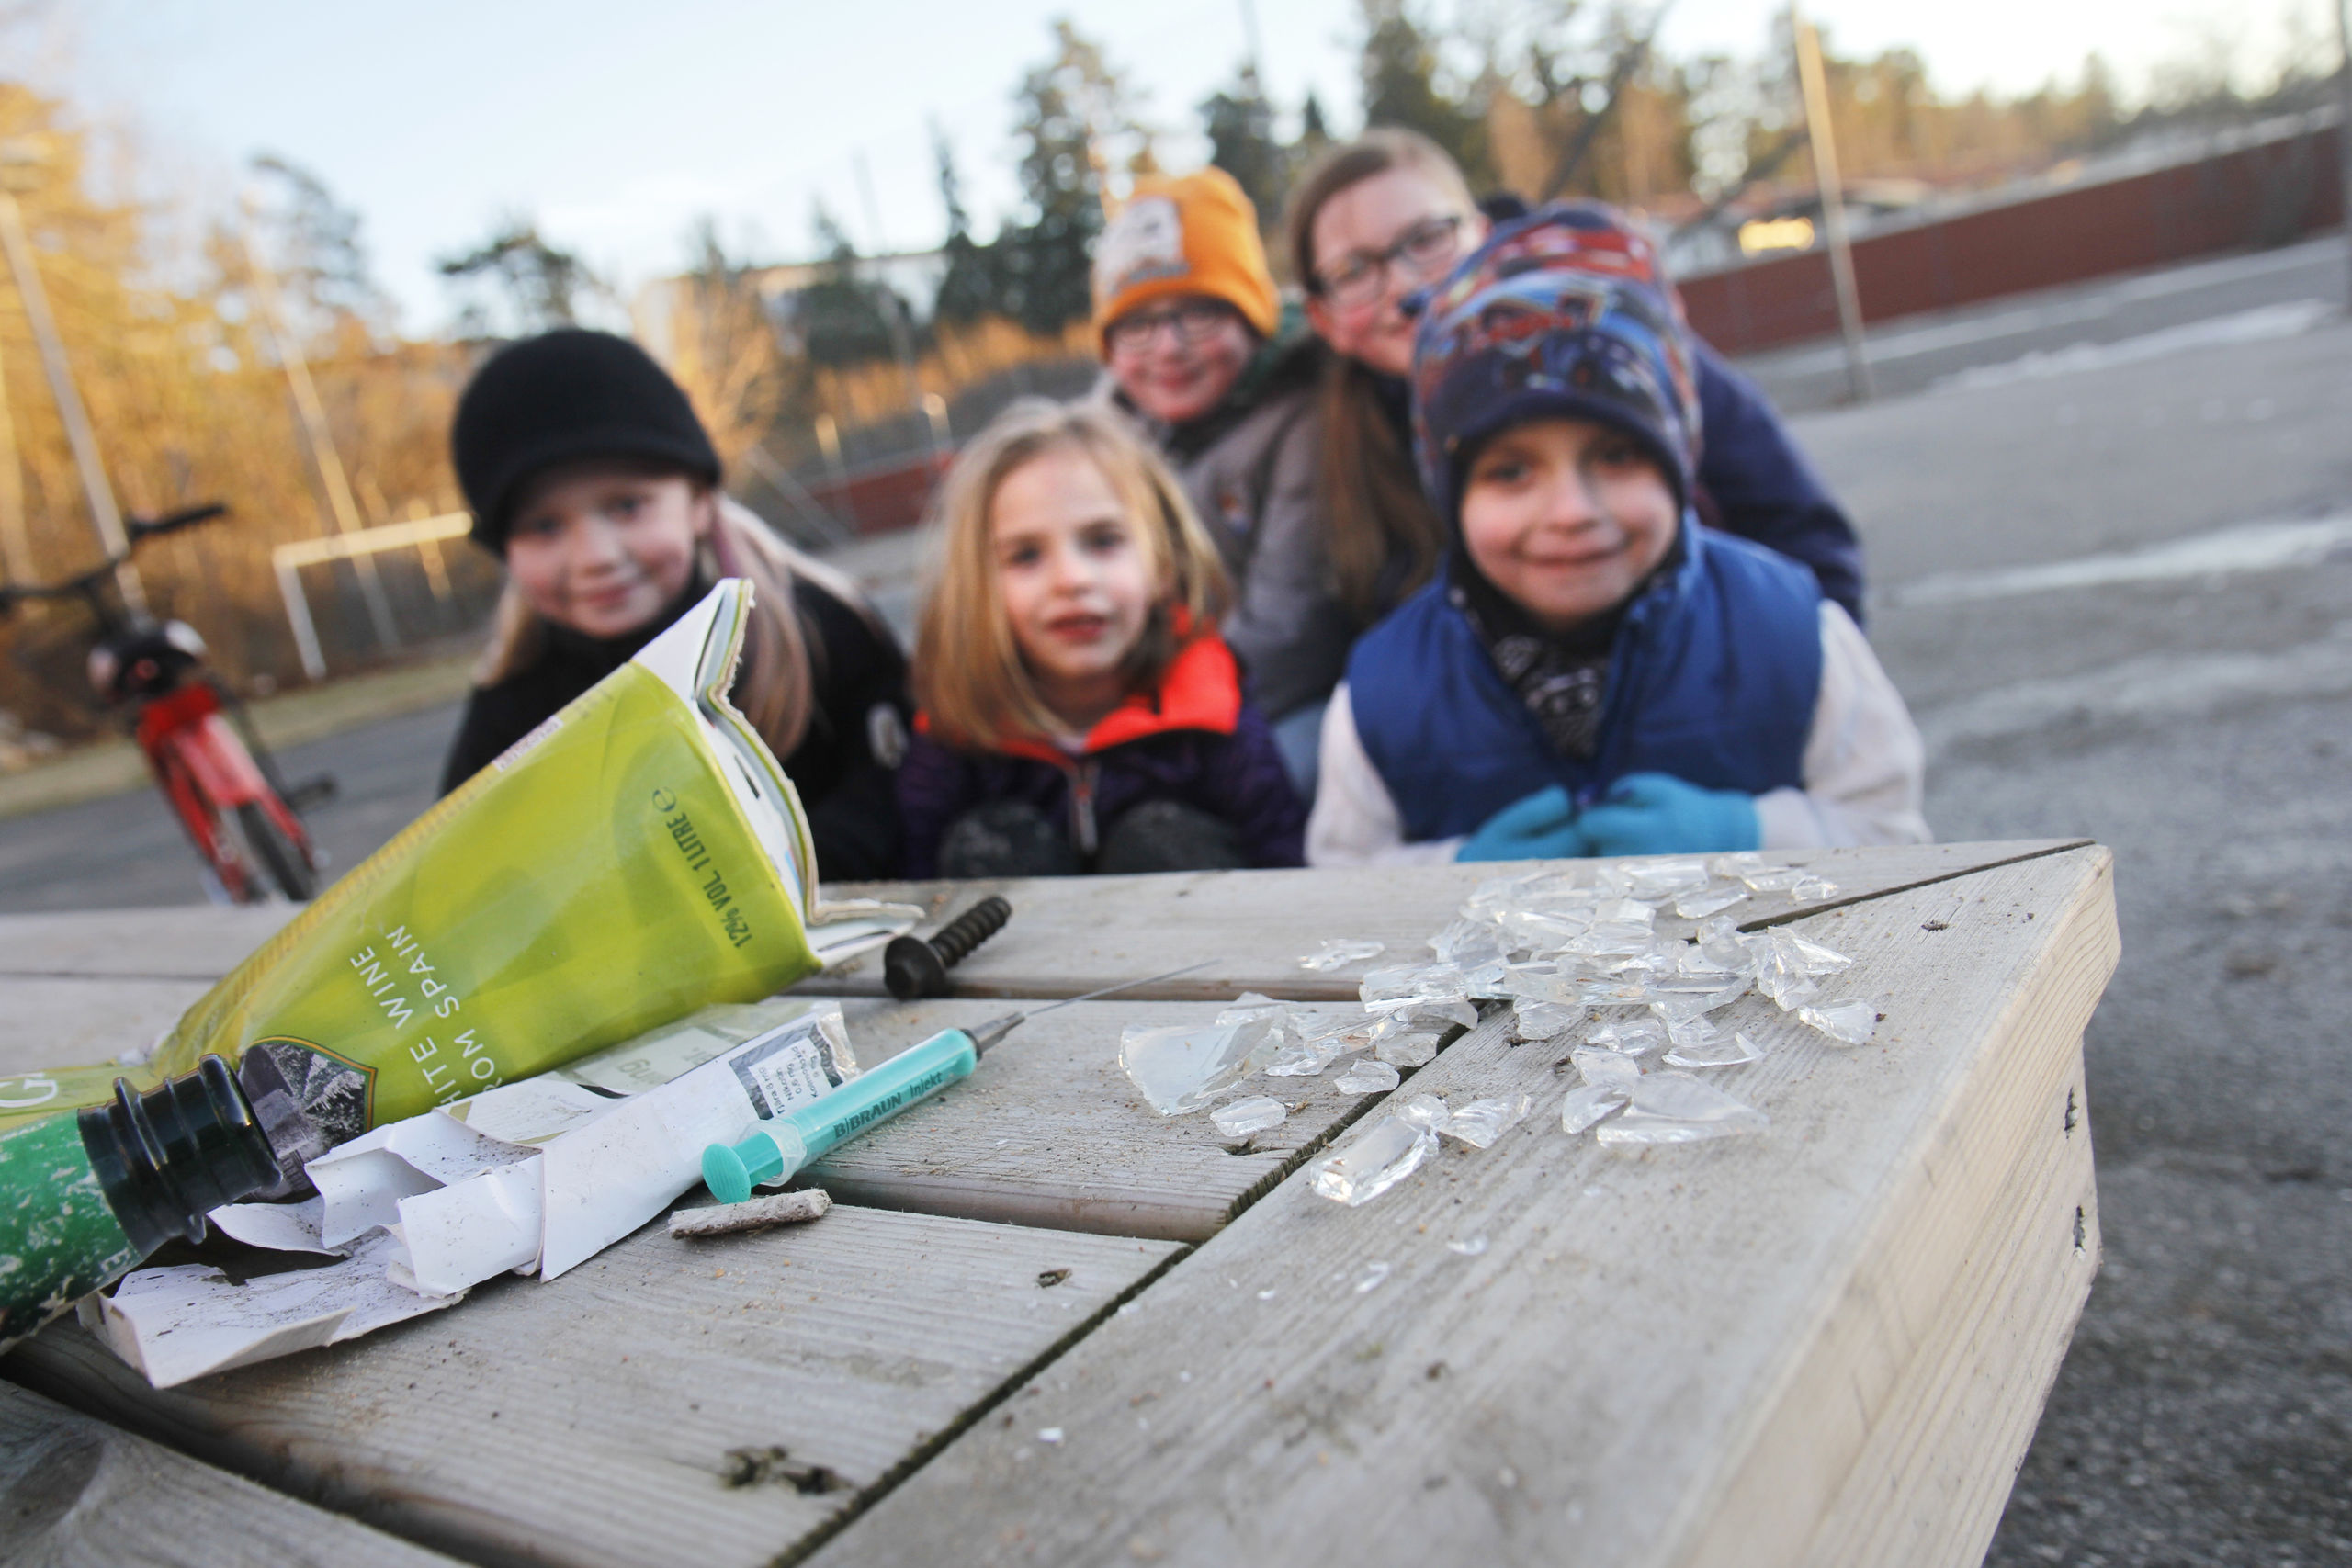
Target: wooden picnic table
(1043, 1325)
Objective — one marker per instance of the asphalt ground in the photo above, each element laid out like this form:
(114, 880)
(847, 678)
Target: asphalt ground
(2186, 699)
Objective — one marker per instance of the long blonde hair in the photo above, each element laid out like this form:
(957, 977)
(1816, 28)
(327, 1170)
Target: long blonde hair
(776, 686)
(969, 677)
(1377, 511)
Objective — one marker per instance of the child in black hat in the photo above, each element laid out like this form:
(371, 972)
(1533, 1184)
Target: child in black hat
(590, 476)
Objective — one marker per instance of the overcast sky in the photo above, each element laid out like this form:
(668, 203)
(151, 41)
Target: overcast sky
(617, 125)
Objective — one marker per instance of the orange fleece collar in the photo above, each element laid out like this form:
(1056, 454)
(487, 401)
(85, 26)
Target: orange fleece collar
(1202, 689)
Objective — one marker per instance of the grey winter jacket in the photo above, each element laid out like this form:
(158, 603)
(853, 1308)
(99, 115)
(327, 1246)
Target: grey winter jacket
(1253, 473)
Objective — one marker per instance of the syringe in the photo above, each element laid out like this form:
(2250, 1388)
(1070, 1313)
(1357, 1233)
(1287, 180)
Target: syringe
(777, 1148)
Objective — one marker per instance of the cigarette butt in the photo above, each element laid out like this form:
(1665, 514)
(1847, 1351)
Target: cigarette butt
(780, 1208)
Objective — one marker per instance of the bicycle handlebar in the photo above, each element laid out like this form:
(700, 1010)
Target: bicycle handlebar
(137, 531)
(140, 528)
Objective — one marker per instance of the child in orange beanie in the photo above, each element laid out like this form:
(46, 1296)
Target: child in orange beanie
(1201, 356)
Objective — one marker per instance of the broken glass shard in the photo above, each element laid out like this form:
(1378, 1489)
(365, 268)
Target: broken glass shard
(1469, 944)
(1542, 983)
(1539, 930)
(1634, 1036)
(1720, 945)
(1414, 986)
(1411, 1050)
(1697, 903)
(1469, 1247)
(1661, 878)
(1769, 879)
(1346, 1024)
(1250, 1007)
(1365, 1076)
(1679, 999)
(1481, 1122)
(1588, 1104)
(1699, 1029)
(1543, 1020)
(1613, 939)
(1786, 965)
(1374, 1272)
(1605, 1068)
(1630, 990)
(1850, 1019)
(1298, 1059)
(1375, 1160)
(1736, 864)
(1426, 1111)
(1255, 1114)
(1675, 1108)
(1312, 1041)
(1337, 953)
(1725, 1051)
(1816, 959)
(1181, 1067)
(1486, 978)
(1806, 889)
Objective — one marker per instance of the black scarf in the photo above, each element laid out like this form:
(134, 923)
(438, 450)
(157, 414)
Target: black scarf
(1563, 677)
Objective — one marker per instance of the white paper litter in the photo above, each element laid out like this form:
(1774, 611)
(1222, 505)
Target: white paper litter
(536, 1176)
(188, 1320)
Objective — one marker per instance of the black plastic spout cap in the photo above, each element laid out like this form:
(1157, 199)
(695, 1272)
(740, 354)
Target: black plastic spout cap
(168, 1156)
(915, 966)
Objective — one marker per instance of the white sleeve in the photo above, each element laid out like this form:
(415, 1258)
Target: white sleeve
(1865, 767)
(1355, 820)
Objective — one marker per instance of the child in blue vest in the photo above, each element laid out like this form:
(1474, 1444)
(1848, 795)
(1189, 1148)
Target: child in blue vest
(1594, 672)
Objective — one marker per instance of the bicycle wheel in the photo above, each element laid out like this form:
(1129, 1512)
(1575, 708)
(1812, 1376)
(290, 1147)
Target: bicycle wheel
(287, 865)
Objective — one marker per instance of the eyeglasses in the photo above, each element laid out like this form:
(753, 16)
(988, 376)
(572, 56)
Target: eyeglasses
(1192, 321)
(1358, 278)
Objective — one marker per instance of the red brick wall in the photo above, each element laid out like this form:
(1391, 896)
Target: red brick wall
(877, 500)
(2256, 196)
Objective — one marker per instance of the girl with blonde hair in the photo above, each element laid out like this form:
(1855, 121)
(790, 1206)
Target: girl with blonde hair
(589, 475)
(1078, 710)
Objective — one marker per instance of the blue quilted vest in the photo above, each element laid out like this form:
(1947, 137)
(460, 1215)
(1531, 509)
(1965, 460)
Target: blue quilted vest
(1712, 679)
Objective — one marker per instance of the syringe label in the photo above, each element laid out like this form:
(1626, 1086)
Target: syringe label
(783, 1071)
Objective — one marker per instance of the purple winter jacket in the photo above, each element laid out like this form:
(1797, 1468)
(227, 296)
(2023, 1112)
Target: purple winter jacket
(1194, 741)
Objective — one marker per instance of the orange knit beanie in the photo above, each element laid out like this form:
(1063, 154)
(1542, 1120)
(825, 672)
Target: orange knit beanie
(1196, 235)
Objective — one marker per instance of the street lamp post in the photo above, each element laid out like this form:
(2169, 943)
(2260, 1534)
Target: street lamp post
(1824, 141)
(19, 168)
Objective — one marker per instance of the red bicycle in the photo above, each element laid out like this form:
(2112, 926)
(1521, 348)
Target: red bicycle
(220, 786)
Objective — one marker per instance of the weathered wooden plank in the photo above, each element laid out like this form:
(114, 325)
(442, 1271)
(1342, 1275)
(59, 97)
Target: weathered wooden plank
(1682, 1357)
(1071, 935)
(77, 1493)
(1050, 1131)
(65, 1023)
(629, 1413)
(201, 942)
(2002, 1334)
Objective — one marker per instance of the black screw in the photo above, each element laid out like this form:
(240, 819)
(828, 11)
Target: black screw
(912, 966)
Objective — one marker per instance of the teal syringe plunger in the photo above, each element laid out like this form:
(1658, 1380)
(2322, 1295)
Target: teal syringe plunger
(777, 1148)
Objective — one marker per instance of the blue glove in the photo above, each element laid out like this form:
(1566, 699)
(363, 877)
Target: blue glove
(1658, 814)
(1542, 826)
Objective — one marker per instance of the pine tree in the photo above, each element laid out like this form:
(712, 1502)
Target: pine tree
(1240, 127)
(841, 316)
(968, 289)
(1070, 108)
(539, 285)
(1399, 67)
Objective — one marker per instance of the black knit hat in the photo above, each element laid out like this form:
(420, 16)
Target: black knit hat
(567, 396)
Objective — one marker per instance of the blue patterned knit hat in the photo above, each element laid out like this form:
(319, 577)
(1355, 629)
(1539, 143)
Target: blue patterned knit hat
(1564, 312)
